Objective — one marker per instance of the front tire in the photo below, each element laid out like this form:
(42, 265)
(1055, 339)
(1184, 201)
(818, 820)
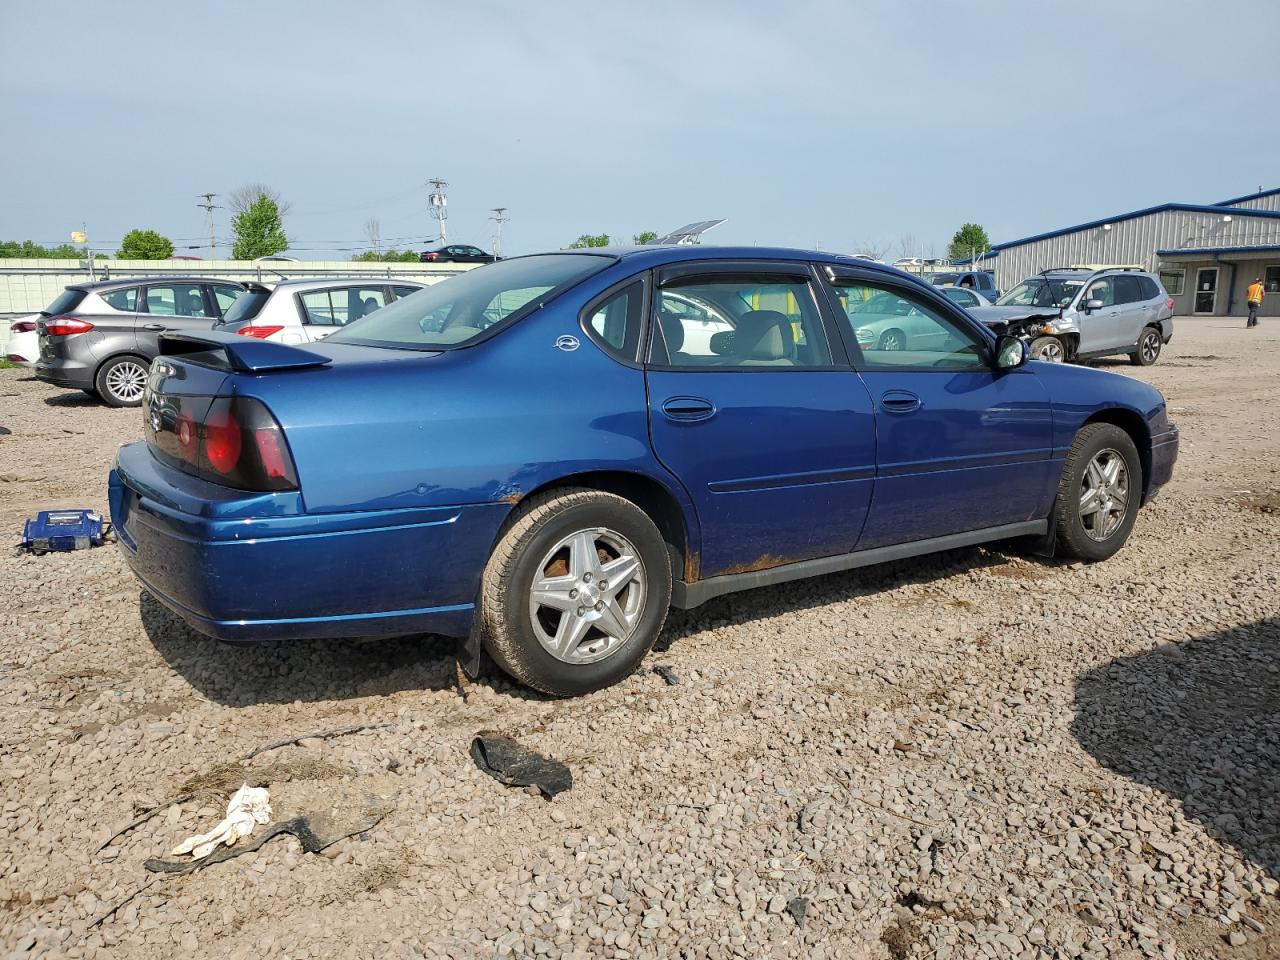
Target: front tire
(1047, 348)
(121, 380)
(575, 592)
(893, 340)
(1099, 493)
(1148, 351)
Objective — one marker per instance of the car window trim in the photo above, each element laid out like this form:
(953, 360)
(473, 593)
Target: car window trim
(784, 271)
(910, 291)
(645, 279)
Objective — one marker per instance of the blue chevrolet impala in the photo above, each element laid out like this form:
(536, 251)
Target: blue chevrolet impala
(545, 454)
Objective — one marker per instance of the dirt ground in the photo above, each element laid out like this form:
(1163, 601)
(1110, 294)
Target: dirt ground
(972, 755)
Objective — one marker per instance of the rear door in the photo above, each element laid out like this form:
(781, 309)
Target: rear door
(764, 422)
(960, 445)
(180, 306)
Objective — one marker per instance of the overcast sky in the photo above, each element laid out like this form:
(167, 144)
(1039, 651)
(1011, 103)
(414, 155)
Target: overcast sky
(837, 125)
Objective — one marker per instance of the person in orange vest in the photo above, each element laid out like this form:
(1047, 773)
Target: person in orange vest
(1254, 296)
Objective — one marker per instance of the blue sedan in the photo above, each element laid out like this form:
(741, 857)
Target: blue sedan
(545, 454)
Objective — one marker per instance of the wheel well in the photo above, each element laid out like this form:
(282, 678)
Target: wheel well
(1136, 427)
(651, 497)
(117, 356)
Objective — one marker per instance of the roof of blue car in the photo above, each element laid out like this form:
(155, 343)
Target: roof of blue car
(656, 254)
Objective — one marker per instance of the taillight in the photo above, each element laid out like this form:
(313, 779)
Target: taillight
(65, 326)
(432, 256)
(260, 333)
(1169, 303)
(22, 326)
(234, 441)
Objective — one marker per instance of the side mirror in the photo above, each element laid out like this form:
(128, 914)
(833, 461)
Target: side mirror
(1011, 352)
(1093, 305)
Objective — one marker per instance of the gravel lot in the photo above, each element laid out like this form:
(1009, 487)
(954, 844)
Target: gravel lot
(974, 755)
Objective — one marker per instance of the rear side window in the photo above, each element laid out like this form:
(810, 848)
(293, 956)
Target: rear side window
(740, 321)
(1129, 290)
(1150, 290)
(176, 300)
(68, 299)
(615, 322)
(126, 300)
(405, 291)
(462, 309)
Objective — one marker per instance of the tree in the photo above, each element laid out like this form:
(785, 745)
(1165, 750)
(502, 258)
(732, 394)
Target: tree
(245, 197)
(26, 250)
(647, 236)
(259, 230)
(387, 256)
(145, 245)
(970, 240)
(588, 240)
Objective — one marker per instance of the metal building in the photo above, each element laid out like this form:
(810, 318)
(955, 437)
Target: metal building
(1206, 254)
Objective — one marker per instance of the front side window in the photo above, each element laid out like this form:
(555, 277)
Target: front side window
(895, 330)
(176, 300)
(125, 300)
(1103, 290)
(461, 309)
(740, 321)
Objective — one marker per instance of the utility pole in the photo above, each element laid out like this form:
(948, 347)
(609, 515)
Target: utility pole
(209, 207)
(439, 204)
(499, 217)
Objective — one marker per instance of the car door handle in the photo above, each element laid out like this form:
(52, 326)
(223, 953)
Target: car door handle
(900, 401)
(688, 409)
(154, 326)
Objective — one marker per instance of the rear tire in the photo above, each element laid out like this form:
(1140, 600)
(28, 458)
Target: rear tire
(1047, 348)
(1099, 493)
(1148, 351)
(577, 633)
(121, 380)
(892, 340)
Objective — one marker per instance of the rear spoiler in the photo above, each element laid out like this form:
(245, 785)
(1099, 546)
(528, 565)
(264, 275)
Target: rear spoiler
(230, 351)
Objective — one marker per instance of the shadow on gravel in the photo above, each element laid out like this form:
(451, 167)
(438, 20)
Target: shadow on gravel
(1200, 721)
(307, 670)
(800, 595)
(76, 399)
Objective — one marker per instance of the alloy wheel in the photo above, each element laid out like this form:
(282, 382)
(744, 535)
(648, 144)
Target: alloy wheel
(892, 340)
(1104, 494)
(587, 596)
(1150, 347)
(126, 381)
(1051, 351)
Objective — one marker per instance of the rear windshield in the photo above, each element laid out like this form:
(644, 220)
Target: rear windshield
(247, 306)
(454, 312)
(68, 299)
(941, 278)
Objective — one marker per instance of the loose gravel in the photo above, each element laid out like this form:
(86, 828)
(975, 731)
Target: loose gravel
(973, 755)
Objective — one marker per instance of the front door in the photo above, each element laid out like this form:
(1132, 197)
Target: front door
(1206, 290)
(771, 433)
(960, 446)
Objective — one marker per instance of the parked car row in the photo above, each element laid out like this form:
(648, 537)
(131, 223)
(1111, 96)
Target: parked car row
(101, 337)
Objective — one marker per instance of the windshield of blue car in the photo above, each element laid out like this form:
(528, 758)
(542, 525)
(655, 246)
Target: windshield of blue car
(1041, 292)
(454, 312)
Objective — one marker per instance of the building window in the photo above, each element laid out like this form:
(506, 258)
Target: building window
(1172, 281)
(1272, 280)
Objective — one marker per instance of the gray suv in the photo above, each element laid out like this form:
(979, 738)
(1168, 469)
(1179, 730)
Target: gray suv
(101, 337)
(1078, 313)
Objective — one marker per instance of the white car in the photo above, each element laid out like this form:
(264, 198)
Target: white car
(300, 311)
(965, 297)
(24, 341)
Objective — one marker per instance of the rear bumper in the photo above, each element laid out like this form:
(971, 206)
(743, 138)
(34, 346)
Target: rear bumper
(65, 372)
(244, 567)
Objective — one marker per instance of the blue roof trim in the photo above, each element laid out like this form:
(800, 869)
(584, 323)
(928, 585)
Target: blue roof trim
(1134, 214)
(1204, 251)
(1249, 196)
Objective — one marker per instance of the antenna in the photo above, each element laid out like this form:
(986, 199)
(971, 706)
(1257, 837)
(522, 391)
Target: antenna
(209, 207)
(439, 205)
(499, 217)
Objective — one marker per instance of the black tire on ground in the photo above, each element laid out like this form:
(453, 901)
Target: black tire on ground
(1148, 351)
(109, 381)
(1047, 348)
(540, 523)
(1073, 538)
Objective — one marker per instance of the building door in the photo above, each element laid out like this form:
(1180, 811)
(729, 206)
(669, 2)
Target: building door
(1206, 290)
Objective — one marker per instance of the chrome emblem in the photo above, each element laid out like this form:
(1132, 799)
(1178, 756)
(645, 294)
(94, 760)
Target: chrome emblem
(567, 342)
